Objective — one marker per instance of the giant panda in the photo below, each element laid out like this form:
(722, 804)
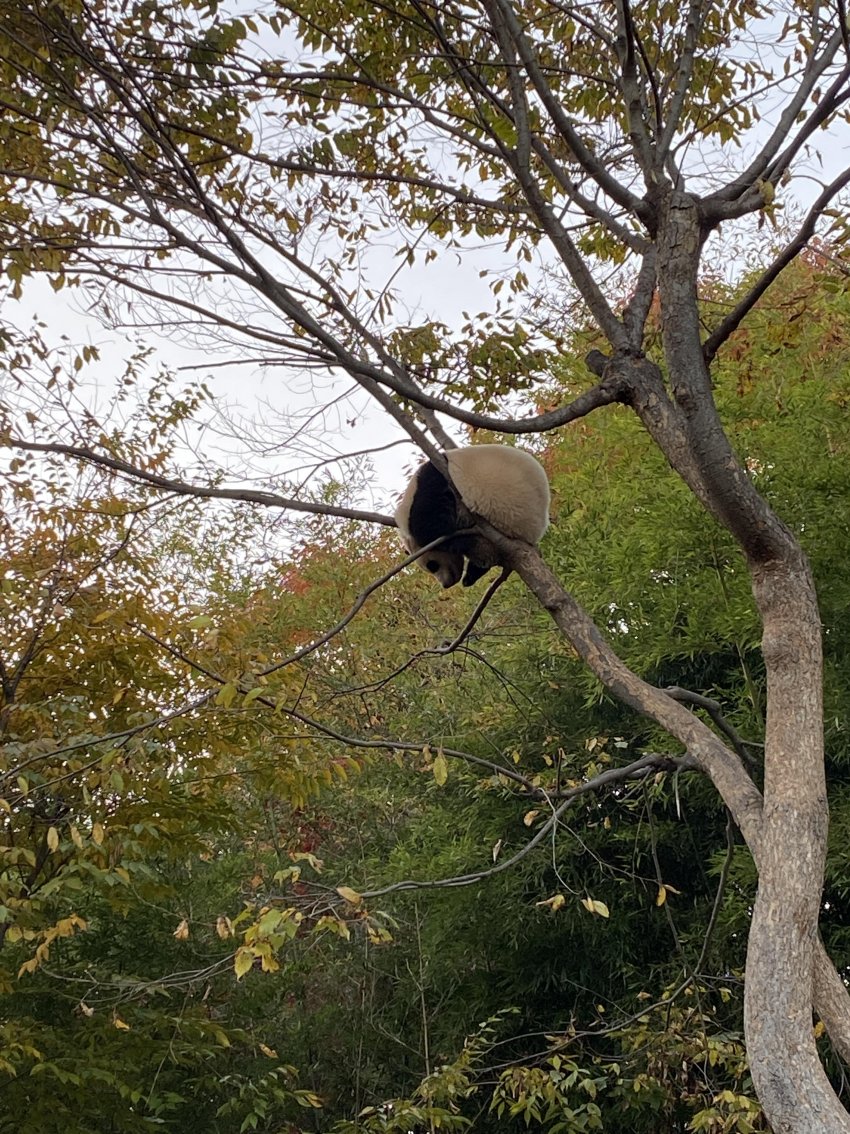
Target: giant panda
(506, 486)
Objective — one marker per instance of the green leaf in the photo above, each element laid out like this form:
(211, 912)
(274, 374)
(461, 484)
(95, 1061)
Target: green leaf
(227, 695)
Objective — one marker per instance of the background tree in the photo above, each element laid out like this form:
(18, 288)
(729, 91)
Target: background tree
(234, 168)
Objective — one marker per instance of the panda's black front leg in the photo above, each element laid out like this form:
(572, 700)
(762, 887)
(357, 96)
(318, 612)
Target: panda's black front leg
(480, 558)
(474, 571)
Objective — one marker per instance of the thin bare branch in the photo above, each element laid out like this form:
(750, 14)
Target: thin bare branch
(181, 488)
(385, 744)
(712, 707)
(356, 607)
(446, 648)
(638, 770)
(109, 738)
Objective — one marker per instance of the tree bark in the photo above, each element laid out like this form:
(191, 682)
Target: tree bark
(791, 1083)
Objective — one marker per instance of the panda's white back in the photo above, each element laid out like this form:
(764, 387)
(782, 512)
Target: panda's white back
(506, 486)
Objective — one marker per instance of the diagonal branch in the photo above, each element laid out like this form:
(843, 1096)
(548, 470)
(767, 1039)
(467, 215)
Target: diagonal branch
(788, 254)
(766, 159)
(636, 311)
(639, 769)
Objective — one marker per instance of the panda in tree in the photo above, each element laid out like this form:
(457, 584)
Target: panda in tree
(506, 486)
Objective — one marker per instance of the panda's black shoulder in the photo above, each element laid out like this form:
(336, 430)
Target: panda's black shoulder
(433, 510)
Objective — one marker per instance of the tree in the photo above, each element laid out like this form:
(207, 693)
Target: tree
(675, 597)
(231, 169)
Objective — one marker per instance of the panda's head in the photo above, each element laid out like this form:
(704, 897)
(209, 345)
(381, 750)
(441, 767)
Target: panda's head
(446, 566)
(428, 511)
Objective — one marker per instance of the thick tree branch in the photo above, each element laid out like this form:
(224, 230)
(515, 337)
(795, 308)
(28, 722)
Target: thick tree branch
(682, 81)
(724, 767)
(633, 96)
(572, 259)
(588, 161)
(520, 161)
(636, 311)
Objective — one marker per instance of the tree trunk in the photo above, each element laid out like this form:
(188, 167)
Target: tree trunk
(791, 1083)
(778, 1011)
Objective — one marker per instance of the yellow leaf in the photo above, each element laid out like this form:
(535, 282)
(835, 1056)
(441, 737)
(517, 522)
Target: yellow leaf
(556, 902)
(223, 927)
(243, 961)
(334, 925)
(305, 856)
(76, 837)
(53, 838)
(182, 931)
(119, 1023)
(97, 833)
(768, 192)
(530, 816)
(268, 1051)
(6, 806)
(819, 1029)
(661, 896)
(351, 896)
(595, 907)
(441, 768)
